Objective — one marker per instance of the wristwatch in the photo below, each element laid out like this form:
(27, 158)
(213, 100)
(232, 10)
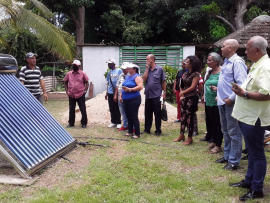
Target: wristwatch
(246, 95)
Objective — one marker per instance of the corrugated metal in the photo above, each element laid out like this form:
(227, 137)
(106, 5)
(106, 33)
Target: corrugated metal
(27, 129)
(165, 55)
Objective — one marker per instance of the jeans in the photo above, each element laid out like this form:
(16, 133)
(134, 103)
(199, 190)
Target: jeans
(114, 109)
(81, 104)
(132, 110)
(231, 133)
(123, 114)
(254, 137)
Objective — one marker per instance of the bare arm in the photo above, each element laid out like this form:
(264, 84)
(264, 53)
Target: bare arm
(139, 82)
(164, 89)
(174, 86)
(115, 94)
(145, 75)
(251, 95)
(86, 84)
(193, 86)
(66, 87)
(43, 89)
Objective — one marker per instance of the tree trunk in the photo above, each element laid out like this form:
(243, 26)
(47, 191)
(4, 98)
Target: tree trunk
(79, 24)
(241, 9)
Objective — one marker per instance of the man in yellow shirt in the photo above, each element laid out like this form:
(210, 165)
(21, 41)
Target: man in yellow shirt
(252, 110)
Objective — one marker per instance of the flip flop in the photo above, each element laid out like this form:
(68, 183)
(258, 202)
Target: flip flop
(135, 137)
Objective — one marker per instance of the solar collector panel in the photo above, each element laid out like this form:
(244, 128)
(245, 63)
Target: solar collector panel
(26, 128)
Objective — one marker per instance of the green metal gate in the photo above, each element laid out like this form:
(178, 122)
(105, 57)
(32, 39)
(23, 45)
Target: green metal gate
(165, 55)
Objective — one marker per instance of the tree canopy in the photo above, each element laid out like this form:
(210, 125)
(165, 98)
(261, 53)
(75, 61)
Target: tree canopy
(34, 17)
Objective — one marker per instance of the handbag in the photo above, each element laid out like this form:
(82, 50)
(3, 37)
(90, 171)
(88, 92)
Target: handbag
(164, 115)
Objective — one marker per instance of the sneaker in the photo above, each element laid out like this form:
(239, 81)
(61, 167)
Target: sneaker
(123, 128)
(111, 125)
(119, 126)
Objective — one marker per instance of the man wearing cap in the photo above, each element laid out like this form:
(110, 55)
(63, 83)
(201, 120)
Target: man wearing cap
(155, 82)
(112, 78)
(118, 91)
(31, 77)
(76, 85)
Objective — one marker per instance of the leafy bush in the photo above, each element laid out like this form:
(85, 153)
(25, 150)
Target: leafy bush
(170, 75)
(48, 68)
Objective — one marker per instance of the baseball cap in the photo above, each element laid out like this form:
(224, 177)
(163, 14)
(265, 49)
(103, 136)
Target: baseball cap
(30, 54)
(124, 65)
(76, 62)
(111, 61)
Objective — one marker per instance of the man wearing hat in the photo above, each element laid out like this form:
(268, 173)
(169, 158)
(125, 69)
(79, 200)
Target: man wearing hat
(112, 78)
(118, 91)
(76, 85)
(31, 77)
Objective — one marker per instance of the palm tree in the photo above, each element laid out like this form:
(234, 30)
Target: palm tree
(14, 13)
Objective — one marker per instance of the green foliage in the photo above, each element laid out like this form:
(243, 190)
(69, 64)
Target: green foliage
(54, 39)
(49, 68)
(253, 12)
(170, 75)
(18, 43)
(136, 33)
(212, 8)
(217, 30)
(106, 73)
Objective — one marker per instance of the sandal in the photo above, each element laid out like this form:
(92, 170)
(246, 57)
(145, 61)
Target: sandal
(211, 146)
(135, 137)
(128, 135)
(215, 150)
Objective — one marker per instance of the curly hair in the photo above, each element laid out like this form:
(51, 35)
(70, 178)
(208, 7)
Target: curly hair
(195, 63)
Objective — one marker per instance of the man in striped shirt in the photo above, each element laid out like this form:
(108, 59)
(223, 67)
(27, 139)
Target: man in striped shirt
(31, 78)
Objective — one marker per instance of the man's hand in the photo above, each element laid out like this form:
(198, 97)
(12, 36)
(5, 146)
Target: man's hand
(228, 102)
(164, 97)
(148, 64)
(106, 96)
(238, 90)
(45, 97)
(115, 99)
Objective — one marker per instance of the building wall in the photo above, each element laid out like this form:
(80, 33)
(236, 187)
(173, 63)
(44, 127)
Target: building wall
(94, 63)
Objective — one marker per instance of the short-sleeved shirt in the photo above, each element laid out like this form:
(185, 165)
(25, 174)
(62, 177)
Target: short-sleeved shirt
(31, 79)
(153, 84)
(258, 80)
(210, 95)
(130, 83)
(179, 75)
(114, 75)
(187, 80)
(76, 83)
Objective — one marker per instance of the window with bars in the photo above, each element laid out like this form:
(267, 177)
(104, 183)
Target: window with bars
(165, 55)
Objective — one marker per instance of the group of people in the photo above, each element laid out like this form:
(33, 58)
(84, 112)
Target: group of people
(124, 98)
(236, 102)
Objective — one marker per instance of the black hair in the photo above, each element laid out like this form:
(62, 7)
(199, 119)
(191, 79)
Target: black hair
(195, 62)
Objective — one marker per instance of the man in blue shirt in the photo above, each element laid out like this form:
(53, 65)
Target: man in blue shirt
(233, 70)
(155, 82)
(112, 77)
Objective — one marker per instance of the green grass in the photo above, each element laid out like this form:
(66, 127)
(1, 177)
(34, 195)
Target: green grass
(138, 172)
